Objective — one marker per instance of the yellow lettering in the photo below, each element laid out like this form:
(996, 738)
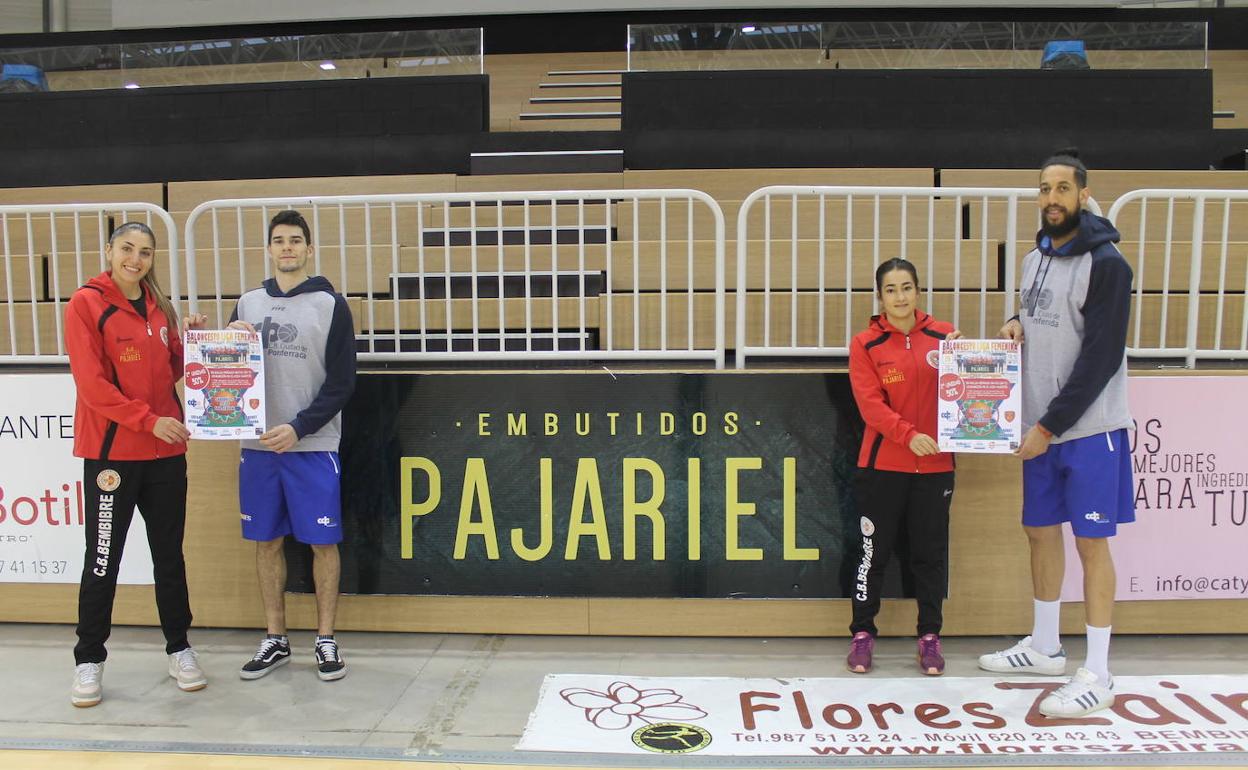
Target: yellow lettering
(517, 424)
(734, 509)
(695, 509)
(587, 485)
(483, 424)
(409, 509)
(547, 521)
(730, 424)
(582, 423)
(699, 423)
(638, 423)
(552, 423)
(649, 509)
(476, 487)
(791, 551)
(667, 423)
(612, 417)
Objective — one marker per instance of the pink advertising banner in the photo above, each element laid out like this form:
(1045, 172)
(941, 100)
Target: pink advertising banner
(1190, 463)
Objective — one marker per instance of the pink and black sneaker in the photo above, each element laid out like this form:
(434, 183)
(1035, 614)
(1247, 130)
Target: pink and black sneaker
(931, 662)
(860, 649)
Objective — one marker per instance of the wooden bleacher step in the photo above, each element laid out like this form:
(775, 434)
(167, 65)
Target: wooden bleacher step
(488, 340)
(537, 236)
(566, 73)
(574, 99)
(582, 84)
(547, 162)
(591, 94)
(593, 115)
(434, 286)
(536, 285)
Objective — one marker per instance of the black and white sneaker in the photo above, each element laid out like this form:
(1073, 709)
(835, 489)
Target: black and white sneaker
(329, 662)
(274, 651)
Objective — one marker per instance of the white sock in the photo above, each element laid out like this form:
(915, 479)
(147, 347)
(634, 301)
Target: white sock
(1044, 631)
(1098, 653)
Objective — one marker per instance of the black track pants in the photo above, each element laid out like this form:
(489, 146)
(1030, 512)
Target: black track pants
(917, 503)
(158, 488)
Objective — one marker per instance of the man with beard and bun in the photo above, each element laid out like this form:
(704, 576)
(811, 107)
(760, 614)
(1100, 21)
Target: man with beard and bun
(1076, 297)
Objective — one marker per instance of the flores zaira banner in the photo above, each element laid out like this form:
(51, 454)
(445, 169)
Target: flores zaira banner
(909, 717)
(604, 484)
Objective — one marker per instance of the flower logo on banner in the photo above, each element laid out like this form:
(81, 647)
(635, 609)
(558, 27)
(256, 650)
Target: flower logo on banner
(621, 704)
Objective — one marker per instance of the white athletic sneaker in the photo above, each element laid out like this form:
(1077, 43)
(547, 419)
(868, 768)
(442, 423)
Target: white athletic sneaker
(87, 689)
(1022, 659)
(184, 667)
(1082, 695)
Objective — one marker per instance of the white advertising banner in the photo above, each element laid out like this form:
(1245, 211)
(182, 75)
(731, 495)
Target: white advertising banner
(877, 717)
(1190, 475)
(41, 500)
(980, 401)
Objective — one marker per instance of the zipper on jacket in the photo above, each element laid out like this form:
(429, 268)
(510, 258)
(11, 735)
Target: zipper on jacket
(907, 341)
(149, 327)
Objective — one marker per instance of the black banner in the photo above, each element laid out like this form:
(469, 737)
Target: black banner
(649, 485)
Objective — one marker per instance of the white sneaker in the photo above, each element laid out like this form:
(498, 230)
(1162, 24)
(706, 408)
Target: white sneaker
(184, 667)
(87, 689)
(1022, 659)
(1082, 695)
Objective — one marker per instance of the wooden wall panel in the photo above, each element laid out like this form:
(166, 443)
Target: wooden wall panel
(989, 584)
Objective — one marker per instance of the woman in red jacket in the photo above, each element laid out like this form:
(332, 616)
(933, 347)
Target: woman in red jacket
(125, 353)
(904, 482)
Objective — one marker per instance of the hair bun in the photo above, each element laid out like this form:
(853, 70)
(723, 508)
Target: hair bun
(1070, 152)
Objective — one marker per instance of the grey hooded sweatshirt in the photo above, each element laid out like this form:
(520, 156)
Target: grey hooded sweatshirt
(1076, 302)
(309, 359)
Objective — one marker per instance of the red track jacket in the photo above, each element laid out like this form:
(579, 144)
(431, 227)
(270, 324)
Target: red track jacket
(894, 379)
(124, 369)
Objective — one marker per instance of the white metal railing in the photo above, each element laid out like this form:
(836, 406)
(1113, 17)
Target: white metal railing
(1212, 319)
(976, 229)
(464, 276)
(476, 276)
(52, 249)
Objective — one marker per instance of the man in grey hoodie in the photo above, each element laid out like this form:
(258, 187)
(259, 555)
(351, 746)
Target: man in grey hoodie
(288, 479)
(1076, 300)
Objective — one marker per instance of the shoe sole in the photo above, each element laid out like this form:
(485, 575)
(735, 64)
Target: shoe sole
(332, 676)
(1075, 714)
(190, 686)
(83, 703)
(858, 669)
(930, 671)
(1008, 669)
(249, 675)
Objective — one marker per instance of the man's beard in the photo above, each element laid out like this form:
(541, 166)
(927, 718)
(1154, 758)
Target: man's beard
(1065, 226)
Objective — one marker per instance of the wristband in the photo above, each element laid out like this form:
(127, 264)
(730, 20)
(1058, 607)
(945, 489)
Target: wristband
(1047, 433)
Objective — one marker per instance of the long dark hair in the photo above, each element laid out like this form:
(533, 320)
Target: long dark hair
(149, 280)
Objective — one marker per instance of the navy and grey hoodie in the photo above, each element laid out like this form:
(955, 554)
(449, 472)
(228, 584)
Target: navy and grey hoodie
(1075, 305)
(309, 359)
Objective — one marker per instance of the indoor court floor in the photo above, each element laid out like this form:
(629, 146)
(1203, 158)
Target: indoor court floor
(449, 700)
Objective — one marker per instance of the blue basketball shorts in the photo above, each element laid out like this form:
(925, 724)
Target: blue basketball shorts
(293, 493)
(1086, 481)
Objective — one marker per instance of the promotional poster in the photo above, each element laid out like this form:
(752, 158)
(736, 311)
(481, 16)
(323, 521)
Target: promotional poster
(224, 390)
(980, 399)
